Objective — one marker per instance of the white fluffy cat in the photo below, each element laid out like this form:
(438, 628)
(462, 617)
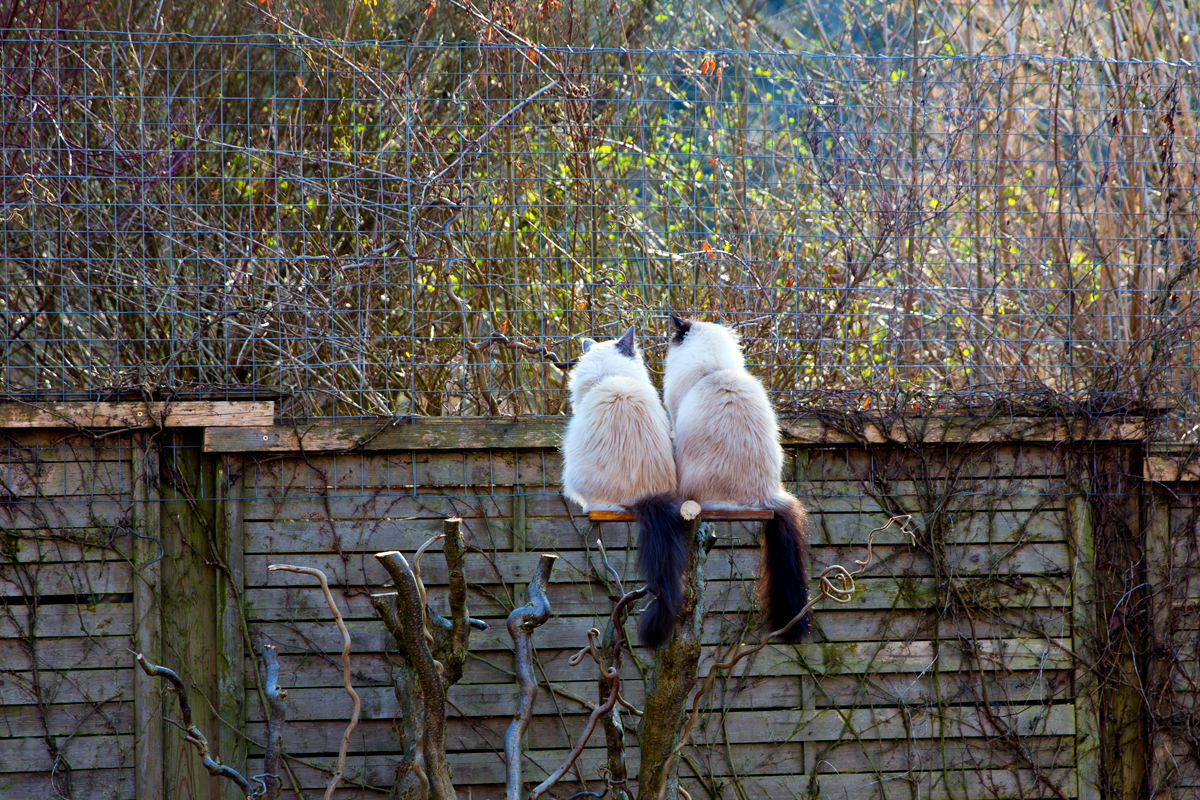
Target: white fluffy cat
(727, 453)
(617, 453)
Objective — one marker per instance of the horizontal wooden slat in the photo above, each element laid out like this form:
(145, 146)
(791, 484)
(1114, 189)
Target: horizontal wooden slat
(71, 545)
(482, 734)
(69, 655)
(786, 760)
(1169, 469)
(65, 620)
(460, 434)
(77, 719)
(135, 414)
(67, 687)
(73, 512)
(362, 569)
(21, 480)
(81, 752)
(563, 533)
(426, 434)
(86, 577)
(109, 784)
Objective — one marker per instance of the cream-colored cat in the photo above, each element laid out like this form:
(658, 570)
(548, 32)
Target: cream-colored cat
(727, 453)
(617, 453)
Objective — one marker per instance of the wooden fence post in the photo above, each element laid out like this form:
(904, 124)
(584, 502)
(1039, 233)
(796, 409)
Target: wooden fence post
(147, 637)
(1157, 522)
(1083, 627)
(231, 655)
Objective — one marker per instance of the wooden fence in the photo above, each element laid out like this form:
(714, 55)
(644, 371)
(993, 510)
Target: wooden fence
(990, 660)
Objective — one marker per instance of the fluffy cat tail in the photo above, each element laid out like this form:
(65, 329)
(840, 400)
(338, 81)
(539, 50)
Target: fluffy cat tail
(783, 574)
(661, 558)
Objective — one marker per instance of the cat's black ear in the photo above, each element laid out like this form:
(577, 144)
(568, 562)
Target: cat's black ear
(587, 344)
(625, 345)
(682, 326)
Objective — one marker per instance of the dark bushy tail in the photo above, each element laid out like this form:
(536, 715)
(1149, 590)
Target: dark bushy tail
(661, 558)
(783, 574)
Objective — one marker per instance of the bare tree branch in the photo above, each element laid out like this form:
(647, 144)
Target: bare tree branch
(192, 734)
(613, 674)
(278, 715)
(337, 617)
(521, 624)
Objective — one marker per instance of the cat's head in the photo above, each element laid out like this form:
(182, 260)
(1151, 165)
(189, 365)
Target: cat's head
(602, 359)
(706, 346)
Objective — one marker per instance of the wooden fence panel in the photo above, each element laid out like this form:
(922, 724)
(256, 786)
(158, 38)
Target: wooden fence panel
(68, 707)
(892, 693)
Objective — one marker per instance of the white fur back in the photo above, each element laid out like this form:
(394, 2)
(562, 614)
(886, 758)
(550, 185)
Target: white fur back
(617, 447)
(726, 436)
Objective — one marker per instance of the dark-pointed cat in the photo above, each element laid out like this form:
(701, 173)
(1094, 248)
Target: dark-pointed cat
(617, 453)
(727, 453)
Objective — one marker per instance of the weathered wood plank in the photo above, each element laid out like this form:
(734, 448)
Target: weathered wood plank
(147, 619)
(67, 655)
(83, 578)
(231, 664)
(1168, 469)
(73, 719)
(765, 772)
(483, 734)
(42, 480)
(853, 657)
(75, 512)
(366, 474)
(42, 445)
(937, 430)
(462, 434)
(561, 533)
(884, 467)
(1084, 624)
(60, 621)
(71, 545)
(68, 687)
(746, 723)
(109, 784)
(372, 669)
(425, 434)
(137, 414)
(83, 752)
(883, 596)
(360, 569)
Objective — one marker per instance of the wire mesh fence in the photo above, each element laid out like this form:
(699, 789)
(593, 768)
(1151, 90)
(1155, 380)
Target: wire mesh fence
(366, 229)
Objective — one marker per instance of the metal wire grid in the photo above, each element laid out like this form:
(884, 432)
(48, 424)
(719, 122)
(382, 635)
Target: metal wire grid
(381, 229)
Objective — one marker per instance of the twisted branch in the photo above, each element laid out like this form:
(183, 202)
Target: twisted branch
(192, 734)
(600, 711)
(521, 624)
(337, 617)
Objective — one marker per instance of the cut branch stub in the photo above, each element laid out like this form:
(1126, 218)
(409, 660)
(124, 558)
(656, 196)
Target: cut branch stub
(278, 714)
(674, 673)
(521, 624)
(407, 621)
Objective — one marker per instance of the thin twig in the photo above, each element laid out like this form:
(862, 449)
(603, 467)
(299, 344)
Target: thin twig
(337, 617)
